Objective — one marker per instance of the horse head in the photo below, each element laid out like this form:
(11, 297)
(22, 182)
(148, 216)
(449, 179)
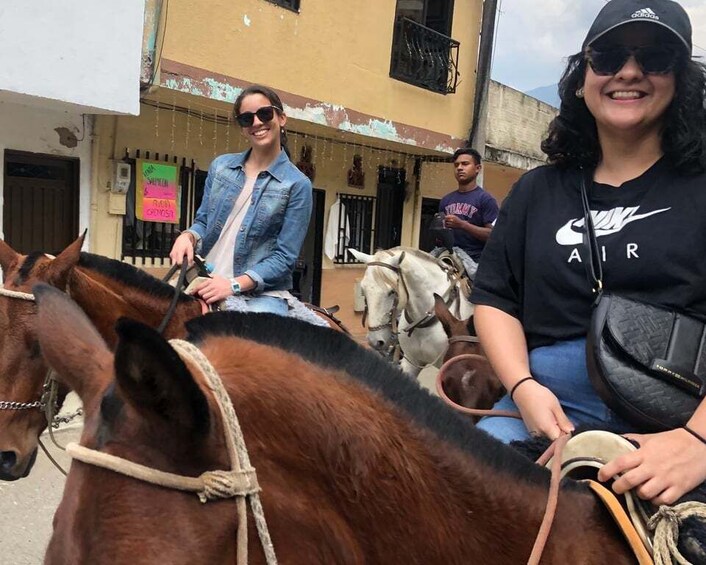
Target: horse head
(471, 381)
(23, 371)
(380, 287)
(142, 404)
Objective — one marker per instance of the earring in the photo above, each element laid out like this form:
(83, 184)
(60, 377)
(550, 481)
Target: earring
(579, 92)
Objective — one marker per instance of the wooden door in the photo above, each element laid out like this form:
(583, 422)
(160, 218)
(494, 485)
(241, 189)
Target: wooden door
(41, 199)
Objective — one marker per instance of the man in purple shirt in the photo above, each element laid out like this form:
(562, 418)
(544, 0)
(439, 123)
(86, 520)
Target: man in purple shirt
(469, 210)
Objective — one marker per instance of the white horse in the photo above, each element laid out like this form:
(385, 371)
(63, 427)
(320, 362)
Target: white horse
(399, 286)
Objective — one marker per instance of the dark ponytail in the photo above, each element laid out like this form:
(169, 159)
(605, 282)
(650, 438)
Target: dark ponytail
(274, 99)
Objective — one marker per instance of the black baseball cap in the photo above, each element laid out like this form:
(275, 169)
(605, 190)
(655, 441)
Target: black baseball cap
(666, 13)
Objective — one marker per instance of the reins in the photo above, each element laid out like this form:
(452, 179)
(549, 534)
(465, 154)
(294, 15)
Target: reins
(177, 292)
(239, 482)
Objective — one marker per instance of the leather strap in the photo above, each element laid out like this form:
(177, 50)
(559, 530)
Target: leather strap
(623, 521)
(594, 267)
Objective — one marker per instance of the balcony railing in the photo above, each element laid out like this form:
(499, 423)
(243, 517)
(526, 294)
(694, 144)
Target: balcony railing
(424, 57)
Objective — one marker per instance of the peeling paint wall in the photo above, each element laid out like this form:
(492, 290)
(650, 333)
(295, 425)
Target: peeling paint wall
(334, 52)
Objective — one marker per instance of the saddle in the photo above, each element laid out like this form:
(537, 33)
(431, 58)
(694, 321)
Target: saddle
(581, 458)
(455, 270)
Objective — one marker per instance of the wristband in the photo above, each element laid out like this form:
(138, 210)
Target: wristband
(701, 438)
(518, 383)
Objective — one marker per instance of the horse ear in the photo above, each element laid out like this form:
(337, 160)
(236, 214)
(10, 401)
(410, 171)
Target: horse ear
(442, 312)
(360, 256)
(70, 343)
(156, 382)
(8, 257)
(59, 268)
(471, 326)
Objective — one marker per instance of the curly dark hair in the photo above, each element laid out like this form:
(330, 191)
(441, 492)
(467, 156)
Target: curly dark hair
(572, 139)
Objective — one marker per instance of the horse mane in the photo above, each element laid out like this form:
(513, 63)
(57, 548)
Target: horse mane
(386, 276)
(129, 275)
(26, 267)
(339, 352)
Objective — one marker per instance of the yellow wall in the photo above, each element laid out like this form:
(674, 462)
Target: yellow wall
(334, 51)
(499, 179)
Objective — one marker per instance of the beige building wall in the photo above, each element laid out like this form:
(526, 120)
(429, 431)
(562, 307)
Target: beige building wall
(331, 62)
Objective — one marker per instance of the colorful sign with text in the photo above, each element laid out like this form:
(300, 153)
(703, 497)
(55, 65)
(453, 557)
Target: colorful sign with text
(157, 192)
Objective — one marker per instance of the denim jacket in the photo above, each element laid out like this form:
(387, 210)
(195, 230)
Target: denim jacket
(274, 227)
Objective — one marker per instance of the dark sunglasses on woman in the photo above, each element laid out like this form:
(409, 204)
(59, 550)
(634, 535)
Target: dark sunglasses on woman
(264, 114)
(653, 60)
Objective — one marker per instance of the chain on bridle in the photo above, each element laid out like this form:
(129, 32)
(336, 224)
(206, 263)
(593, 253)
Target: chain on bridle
(12, 404)
(48, 401)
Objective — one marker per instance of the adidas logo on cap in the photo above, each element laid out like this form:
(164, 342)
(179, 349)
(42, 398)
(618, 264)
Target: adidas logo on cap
(645, 13)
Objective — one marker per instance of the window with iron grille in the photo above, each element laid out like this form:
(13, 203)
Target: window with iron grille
(289, 4)
(355, 226)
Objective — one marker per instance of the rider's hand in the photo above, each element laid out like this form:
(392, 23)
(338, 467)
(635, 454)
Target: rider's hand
(215, 289)
(183, 247)
(453, 221)
(541, 411)
(667, 466)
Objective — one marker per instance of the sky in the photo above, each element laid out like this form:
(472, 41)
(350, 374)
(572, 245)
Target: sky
(534, 37)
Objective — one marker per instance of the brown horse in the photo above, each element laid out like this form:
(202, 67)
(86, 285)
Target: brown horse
(106, 289)
(470, 382)
(354, 469)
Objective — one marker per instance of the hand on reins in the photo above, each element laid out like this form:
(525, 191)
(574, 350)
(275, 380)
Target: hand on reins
(183, 248)
(541, 411)
(215, 289)
(665, 467)
(452, 221)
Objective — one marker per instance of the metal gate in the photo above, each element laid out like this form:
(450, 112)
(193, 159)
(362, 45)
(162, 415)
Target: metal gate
(41, 201)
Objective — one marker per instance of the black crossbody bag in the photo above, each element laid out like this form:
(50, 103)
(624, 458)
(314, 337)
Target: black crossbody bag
(647, 363)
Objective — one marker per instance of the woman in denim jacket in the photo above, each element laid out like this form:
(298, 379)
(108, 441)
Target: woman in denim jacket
(254, 214)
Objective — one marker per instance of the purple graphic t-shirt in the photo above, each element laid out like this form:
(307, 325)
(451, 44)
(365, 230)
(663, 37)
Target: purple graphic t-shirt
(476, 207)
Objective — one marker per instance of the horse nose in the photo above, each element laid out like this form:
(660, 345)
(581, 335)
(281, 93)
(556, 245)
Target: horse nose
(8, 459)
(376, 344)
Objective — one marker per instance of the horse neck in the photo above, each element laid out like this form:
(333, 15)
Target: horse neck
(105, 300)
(391, 481)
(422, 279)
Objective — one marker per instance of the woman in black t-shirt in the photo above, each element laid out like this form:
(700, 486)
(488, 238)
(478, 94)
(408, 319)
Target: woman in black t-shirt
(633, 112)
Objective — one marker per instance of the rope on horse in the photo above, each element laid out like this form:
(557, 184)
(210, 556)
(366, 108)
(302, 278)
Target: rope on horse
(665, 523)
(240, 481)
(237, 453)
(16, 294)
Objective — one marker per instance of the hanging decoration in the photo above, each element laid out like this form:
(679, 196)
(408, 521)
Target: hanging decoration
(356, 175)
(305, 164)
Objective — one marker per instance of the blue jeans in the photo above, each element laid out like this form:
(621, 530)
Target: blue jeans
(561, 368)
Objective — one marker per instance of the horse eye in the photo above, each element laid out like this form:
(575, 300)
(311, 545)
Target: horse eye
(391, 292)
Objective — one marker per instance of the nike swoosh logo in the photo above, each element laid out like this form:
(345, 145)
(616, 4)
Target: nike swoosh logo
(605, 222)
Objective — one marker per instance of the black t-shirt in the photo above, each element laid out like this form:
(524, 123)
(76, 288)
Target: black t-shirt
(651, 232)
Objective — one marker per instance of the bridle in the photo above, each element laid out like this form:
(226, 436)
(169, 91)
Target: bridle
(42, 402)
(428, 318)
(48, 401)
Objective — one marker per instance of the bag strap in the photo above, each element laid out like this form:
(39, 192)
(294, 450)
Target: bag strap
(594, 267)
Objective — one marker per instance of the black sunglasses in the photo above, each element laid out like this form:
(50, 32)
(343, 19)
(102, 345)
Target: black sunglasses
(264, 114)
(653, 60)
